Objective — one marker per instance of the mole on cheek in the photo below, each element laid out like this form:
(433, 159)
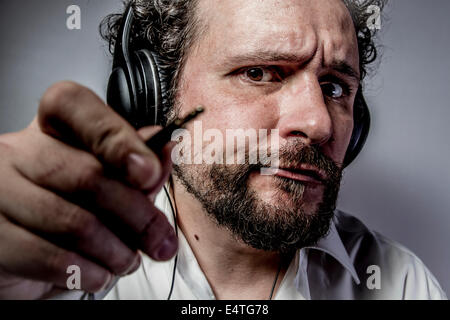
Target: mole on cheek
(196, 237)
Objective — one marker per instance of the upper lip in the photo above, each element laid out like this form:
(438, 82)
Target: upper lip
(308, 170)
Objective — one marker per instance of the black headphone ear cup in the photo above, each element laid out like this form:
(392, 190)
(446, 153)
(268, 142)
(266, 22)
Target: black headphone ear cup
(164, 77)
(148, 88)
(118, 94)
(151, 88)
(361, 126)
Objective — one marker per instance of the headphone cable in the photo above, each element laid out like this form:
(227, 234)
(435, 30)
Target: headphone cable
(275, 281)
(174, 214)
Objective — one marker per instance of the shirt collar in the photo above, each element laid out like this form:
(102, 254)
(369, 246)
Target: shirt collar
(332, 245)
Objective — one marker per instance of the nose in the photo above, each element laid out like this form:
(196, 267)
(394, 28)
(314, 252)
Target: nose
(304, 113)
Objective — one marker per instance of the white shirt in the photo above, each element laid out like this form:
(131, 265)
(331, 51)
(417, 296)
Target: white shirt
(351, 262)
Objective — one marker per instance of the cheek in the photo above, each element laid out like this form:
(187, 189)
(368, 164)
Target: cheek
(342, 135)
(226, 108)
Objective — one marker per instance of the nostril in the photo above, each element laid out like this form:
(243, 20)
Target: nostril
(298, 134)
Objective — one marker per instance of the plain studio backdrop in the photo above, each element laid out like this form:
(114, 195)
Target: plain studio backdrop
(400, 183)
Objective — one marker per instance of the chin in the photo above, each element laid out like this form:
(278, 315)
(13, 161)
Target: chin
(270, 192)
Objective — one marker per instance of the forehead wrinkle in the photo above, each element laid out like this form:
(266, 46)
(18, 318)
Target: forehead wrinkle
(257, 26)
(289, 27)
(339, 46)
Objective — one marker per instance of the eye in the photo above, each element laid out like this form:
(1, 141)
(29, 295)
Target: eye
(333, 90)
(259, 74)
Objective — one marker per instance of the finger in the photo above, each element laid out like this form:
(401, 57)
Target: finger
(165, 156)
(74, 113)
(26, 255)
(166, 170)
(148, 132)
(85, 184)
(65, 224)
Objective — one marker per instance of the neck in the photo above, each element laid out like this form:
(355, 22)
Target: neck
(233, 269)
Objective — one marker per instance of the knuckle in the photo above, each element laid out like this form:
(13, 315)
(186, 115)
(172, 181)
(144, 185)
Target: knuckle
(112, 140)
(88, 227)
(47, 173)
(122, 265)
(147, 226)
(88, 176)
(59, 260)
(79, 223)
(154, 232)
(58, 95)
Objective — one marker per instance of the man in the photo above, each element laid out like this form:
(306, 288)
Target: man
(80, 178)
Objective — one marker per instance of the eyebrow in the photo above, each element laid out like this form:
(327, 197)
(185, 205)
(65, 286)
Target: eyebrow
(339, 66)
(346, 69)
(264, 56)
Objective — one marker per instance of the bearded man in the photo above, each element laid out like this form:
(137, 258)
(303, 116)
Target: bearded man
(94, 196)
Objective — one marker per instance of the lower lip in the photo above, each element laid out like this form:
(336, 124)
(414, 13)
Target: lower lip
(295, 176)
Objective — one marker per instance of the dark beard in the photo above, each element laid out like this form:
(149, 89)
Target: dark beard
(224, 194)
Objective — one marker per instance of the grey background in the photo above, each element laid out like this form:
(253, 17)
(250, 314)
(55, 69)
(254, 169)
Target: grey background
(400, 183)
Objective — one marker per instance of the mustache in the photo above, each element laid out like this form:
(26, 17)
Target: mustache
(295, 153)
(290, 155)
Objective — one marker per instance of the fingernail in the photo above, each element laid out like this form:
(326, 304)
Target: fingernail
(107, 283)
(144, 172)
(168, 248)
(135, 265)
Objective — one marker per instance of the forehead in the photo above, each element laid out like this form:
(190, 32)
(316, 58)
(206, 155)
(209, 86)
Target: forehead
(299, 27)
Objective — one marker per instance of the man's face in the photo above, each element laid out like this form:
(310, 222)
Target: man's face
(283, 65)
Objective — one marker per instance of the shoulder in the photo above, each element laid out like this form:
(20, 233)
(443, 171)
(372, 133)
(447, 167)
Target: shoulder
(402, 274)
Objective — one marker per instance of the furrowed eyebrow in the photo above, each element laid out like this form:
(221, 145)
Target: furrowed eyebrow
(338, 66)
(264, 56)
(345, 69)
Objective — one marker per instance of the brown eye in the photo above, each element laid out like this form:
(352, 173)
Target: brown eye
(260, 75)
(255, 74)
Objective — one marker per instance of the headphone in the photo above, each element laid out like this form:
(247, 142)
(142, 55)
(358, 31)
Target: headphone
(138, 89)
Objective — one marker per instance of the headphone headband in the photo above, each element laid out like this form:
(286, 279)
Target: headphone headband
(122, 50)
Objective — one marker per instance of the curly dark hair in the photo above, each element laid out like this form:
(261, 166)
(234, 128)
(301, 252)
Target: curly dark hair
(361, 13)
(172, 26)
